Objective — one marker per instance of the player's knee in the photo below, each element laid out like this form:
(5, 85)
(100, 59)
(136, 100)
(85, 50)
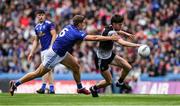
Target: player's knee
(40, 73)
(109, 82)
(34, 74)
(37, 74)
(128, 67)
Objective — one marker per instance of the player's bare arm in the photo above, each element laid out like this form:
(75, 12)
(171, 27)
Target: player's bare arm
(53, 33)
(34, 46)
(129, 35)
(100, 38)
(127, 44)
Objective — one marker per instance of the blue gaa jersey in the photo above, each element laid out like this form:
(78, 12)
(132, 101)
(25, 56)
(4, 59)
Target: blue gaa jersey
(67, 38)
(42, 31)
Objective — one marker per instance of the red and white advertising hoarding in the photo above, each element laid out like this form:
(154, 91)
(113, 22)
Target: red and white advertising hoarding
(61, 87)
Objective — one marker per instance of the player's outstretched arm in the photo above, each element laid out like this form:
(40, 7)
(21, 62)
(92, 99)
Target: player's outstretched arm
(131, 36)
(100, 38)
(126, 43)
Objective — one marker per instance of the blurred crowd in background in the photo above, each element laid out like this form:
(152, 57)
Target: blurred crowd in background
(153, 22)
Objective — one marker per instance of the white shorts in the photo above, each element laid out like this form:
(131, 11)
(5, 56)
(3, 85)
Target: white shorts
(43, 54)
(51, 59)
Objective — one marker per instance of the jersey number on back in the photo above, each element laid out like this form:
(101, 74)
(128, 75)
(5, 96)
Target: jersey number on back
(62, 33)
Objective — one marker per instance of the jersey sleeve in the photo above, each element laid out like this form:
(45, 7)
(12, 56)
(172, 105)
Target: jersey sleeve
(51, 25)
(82, 35)
(108, 31)
(35, 32)
(105, 32)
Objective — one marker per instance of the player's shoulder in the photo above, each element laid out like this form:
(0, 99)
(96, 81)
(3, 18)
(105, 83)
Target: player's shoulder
(72, 28)
(48, 22)
(68, 26)
(107, 28)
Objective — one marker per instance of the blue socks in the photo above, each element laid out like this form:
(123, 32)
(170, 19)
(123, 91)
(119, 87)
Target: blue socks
(17, 83)
(51, 88)
(79, 86)
(43, 87)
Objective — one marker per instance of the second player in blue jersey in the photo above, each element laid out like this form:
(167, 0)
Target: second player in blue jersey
(45, 33)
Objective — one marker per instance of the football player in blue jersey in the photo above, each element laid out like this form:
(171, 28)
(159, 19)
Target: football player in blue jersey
(58, 53)
(46, 34)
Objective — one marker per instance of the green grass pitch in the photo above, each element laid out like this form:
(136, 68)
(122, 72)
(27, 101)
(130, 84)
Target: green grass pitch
(84, 100)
